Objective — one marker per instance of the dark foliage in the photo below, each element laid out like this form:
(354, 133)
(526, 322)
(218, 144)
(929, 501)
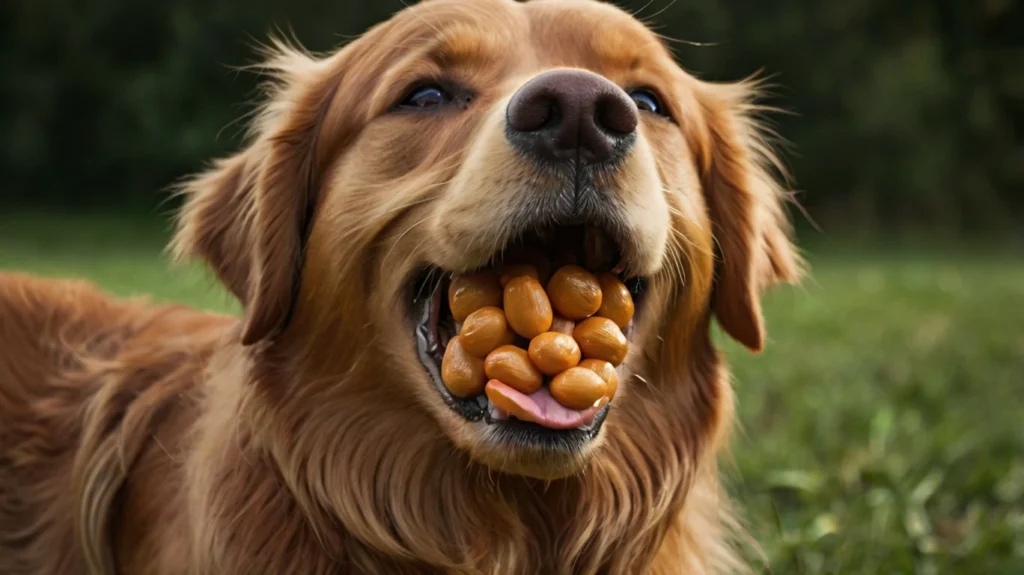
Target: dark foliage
(905, 113)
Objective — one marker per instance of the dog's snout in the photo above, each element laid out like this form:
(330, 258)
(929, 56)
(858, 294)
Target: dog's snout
(572, 114)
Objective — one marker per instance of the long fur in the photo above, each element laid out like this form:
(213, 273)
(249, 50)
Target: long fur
(137, 438)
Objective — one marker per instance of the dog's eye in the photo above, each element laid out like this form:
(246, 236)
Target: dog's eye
(648, 101)
(427, 96)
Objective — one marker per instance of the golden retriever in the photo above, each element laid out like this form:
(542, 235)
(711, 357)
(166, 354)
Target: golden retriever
(312, 435)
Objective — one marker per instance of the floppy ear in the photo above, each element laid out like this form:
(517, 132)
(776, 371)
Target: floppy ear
(751, 230)
(247, 215)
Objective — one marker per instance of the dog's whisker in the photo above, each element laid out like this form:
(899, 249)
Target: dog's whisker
(649, 19)
(650, 387)
(434, 280)
(395, 243)
(636, 13)
(380, 44)
(680, 256)
(694, 43)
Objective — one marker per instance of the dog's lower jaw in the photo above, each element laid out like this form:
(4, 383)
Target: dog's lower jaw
(537, 463)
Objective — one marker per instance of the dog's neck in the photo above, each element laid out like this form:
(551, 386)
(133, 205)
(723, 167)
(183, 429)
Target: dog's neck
(371, 491)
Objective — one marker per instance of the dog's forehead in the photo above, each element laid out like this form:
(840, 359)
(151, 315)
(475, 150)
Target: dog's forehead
(541, 33)
(589, 34)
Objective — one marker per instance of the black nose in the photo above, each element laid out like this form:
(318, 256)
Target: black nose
(568, 114)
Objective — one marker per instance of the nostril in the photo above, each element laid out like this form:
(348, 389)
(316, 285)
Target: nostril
(531, 111)
(616, 114)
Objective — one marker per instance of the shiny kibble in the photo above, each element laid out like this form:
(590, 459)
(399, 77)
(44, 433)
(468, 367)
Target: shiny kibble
(616, 301)
(527, 307)
(574, 328)
(511, 365)
(468, 293)
(461, 372)
(574, 292)
(606, 371)
(578, 388)
(600, 338)
(484, 330)
(554, 352)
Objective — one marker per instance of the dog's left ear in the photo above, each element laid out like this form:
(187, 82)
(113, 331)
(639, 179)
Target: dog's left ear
(753, 236)
(247, 216)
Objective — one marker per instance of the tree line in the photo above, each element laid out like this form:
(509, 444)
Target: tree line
(904, 113)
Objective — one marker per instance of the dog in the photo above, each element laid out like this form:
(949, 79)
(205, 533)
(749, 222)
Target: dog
(312, 434)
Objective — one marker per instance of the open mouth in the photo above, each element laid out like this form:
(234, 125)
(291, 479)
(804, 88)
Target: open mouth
(534, 418)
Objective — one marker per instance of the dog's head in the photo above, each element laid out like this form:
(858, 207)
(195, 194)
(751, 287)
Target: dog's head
(461, 134)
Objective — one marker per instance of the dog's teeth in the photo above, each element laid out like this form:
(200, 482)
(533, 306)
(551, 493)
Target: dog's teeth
(496, 412)
(619, 267)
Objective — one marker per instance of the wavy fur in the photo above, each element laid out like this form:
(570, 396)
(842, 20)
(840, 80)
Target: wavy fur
(302, 438)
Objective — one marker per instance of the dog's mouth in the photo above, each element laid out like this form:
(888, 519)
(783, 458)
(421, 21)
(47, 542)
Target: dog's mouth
(541, 420)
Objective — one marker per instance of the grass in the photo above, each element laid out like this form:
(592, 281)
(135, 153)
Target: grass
(882, 429)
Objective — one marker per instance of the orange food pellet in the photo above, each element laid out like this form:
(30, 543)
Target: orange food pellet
(461, 372)
(527, 308)
(616, 301)
(606, 371)
(578, 388)
(554, 352)
(484, 330)
(512, 366)
(600, 338)
(574, 292)
(470, 292)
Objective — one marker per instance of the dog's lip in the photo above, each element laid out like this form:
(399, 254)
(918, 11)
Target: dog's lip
(431, 351)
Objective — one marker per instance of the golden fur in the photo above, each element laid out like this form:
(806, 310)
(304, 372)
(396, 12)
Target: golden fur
(306, 437)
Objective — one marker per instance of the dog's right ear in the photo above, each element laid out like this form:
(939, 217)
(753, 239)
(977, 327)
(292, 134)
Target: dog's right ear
(752, 232)
(247, 215)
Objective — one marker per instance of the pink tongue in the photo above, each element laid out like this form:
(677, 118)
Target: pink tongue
(540, 408)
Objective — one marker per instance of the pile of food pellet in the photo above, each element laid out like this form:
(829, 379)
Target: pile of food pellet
(573, 327)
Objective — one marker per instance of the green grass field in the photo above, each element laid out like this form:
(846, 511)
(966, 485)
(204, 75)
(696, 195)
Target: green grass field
(882, 429)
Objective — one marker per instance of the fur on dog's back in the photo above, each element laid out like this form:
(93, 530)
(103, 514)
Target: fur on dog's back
(88, 387)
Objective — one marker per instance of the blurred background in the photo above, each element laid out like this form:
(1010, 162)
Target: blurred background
(882, 428)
